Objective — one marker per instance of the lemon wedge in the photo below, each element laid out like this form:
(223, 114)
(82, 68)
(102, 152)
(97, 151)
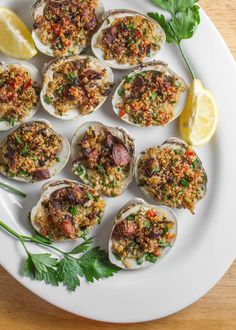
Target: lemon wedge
(15, 38)
(199, 119)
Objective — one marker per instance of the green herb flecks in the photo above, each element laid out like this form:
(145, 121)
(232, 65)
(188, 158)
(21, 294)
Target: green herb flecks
(74, 210)
(47, 99)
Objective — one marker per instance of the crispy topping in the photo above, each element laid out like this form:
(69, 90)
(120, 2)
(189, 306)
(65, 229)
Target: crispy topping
(66, 24)
(18, 93)
(173, 176)
(129, 40)
(149, 98)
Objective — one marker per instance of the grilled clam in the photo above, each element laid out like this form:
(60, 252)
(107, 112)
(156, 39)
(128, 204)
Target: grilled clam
(103, 157)
(127, 38)
(151, 95)
(19, 93)
(67, 210)
(33, 152)
(142, 235)
(172, 174)
(63, 28)
(75, 86)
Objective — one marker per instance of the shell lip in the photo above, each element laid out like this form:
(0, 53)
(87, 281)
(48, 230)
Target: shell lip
(133, 206)
(54, 170)
(113, 63)
(172, 141)
(152, 66)
(35, 76)
(72, 113)
(119, 132)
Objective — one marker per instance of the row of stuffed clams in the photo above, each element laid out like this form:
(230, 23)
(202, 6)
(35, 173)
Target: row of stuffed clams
(103, 158)
(76, 86)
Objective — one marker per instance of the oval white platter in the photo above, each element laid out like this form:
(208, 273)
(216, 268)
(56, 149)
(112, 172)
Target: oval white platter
(205, 247)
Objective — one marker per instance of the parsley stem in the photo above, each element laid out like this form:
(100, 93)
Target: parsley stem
(12, 190)
(186, 60)
(11, 231)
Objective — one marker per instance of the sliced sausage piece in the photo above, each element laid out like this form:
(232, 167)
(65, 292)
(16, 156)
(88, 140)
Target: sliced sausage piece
(67, 228)
(120, 155)
(41, 174)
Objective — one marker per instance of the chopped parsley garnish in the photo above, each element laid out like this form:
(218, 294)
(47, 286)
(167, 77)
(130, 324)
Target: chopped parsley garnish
(74, 210)
(57, 159)
(196, 164)
(90, 195)
(121, 91)
(184, 182)
(150, 258)
(165, 230)
(101, 169)
(71, 76)
(153, 96)
(79, 170)
(25, 151)
(131, 217)
(147, 224)
(47, 99)
(18, 139)
(129, 79)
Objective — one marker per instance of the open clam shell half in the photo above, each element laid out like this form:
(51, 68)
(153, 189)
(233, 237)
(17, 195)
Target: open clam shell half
(142, 235)
(75, 86)
(103, 157)
(67, 210)
(33, 152)
(151, 95)
(171, 174)
(132, 27)
(28, 91)
(51, 15)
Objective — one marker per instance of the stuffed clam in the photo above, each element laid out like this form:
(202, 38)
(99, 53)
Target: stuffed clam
(33, 152)
(151, 95)
(63, 28)
(127, 38)
(142, 235)
(172, 174)
(19, 93)
(67, 210)
(75, 86)
(103, 157)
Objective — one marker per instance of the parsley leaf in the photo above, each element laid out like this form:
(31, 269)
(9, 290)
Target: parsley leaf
(83, 247)
(68, 272)
(41, 267)
(95, 265)
(174, 6)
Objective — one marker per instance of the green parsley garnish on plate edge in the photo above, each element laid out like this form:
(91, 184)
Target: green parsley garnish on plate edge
(82, 261)
(182, 25)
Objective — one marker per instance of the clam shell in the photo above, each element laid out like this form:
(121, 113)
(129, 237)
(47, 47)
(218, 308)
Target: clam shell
(119, 132)
(63, 154)
(48, 76)
(152, 66)
(46, 191)
(174, 143)
(110, 17)
(35, 76)
(132, 207)
(37, 9)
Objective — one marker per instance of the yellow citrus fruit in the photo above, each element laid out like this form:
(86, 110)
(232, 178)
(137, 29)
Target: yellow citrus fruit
(199, 119)
(15, 38)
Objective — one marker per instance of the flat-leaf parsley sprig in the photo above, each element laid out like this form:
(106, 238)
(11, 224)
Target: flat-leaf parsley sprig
(82, 261)
(182, 25)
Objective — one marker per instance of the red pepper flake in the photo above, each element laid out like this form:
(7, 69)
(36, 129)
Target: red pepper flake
(190, 153)
(151, 213)
(28, 84)
(122, 113)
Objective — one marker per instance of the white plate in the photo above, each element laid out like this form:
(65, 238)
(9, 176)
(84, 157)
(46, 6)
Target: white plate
(205, 247)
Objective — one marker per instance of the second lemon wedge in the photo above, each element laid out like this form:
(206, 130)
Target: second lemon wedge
(198, 121)
(15, 38)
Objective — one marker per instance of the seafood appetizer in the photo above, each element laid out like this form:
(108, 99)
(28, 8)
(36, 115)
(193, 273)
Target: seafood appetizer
(67, 210)
(152, 95)
(63, 28)
(33, 152)
(19, 93)
(142, 235)
(127, 38)
(75, 86)
(103, 157)
(172, 174)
